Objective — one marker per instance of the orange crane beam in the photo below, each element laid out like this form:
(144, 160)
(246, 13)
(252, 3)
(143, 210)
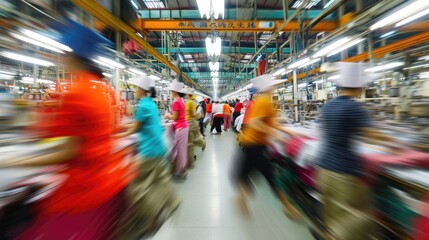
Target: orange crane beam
(227, 25)
(380, 52)
(96, 10)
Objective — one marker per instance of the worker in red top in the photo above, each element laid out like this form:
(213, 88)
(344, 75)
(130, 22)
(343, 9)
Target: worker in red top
(88, 203)
(237, 110)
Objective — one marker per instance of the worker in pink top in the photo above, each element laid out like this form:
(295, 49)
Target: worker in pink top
(181, 131)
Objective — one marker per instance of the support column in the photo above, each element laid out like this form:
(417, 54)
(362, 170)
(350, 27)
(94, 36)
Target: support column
(295, 96)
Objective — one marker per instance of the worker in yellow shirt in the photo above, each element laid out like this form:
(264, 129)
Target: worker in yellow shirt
(255, 137)
(195, 138)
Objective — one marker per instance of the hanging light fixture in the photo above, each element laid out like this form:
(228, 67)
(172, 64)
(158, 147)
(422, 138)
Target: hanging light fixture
(214, 66)
(213, 46)
(211, 7)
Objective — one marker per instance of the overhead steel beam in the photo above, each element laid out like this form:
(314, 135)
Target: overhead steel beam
(206, 64)
(96, 10)
(326, 12)
(261, 14)
(225, 50)
(207, 75)
(229, 25)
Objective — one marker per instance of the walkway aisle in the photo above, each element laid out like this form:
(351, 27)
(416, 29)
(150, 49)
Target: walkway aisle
(208, 210)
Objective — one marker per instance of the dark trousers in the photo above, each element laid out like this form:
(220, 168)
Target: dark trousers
(235, 115)
(217, 122)
(201, 124)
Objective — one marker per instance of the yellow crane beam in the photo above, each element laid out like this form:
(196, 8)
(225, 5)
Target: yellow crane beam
(96, 10)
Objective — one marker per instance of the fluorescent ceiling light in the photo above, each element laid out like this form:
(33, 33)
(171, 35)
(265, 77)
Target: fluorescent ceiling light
(134, 4)
(318, 81)
(103, 64)
(110, 62)
(279, 72)
(137, 71)
(191, 61)
(180, 57)
(5, 76)
(154, 4)
(45, 40)
(299, 63)
(213, 46)
(215, 74)
(424, 58)
(27, 59)
(329, 3)
(384, 67)
(139, 34)
(302, 85)
(405, 12)
(335, 77)
(214, 66)
(8, 73)
(331, 47)
(346, 46)
(154, 77)
(412, 18)
(35, 42)
(211, 7)
(248, 56)
(187, 56)
(31, 80)
(418, 66)
(387, 34)
(309, 63)
(107, 74)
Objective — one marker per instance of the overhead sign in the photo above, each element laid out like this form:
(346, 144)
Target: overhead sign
(227, 25)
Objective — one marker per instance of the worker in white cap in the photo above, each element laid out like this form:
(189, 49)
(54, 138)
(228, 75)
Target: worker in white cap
(148, 123)
(217, 112)
(194, 137)
(255, 139)
(201, 111)
(346, 198)
(181, 131)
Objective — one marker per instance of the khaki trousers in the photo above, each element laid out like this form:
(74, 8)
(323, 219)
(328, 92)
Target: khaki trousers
(195, 139)
(347, 204)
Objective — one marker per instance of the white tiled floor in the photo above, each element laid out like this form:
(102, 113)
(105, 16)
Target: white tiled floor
(208, 210)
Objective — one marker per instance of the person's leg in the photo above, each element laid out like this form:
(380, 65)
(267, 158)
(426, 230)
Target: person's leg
(264, 166)
(182, 149)
(228, 121)
(219, 125)
(347, 205)
(213, 126)
(225, 123)
(245, 165)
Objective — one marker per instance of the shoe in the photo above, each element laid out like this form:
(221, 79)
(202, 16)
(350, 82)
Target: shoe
(180, 177)
(204, 146)
(218, 133)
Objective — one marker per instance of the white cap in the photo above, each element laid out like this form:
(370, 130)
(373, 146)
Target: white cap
(264, 82)
(188, 90)
(176, 86)
(351, 75)
(143, 82)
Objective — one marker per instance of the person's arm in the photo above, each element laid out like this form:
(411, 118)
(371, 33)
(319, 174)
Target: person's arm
(173, 116)
(63, 152)
(131, 129)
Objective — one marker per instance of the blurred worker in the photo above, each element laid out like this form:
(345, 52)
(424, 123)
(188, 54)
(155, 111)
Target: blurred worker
(208, 118)
(181, 131)
(261, 126)
(346, 198)
(201, 111)
(153, 182)
(217, 117)
(87, 204)
(237, 110)
(226, 116)
(148, 123)
(194, 137)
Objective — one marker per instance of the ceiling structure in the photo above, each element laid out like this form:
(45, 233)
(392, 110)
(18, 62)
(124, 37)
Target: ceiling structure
(246, 26)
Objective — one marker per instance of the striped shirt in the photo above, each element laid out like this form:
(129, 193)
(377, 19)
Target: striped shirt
(342, 121)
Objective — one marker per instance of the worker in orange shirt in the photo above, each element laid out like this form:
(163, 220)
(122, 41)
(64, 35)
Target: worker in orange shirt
(226, 116)
(208, 117)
